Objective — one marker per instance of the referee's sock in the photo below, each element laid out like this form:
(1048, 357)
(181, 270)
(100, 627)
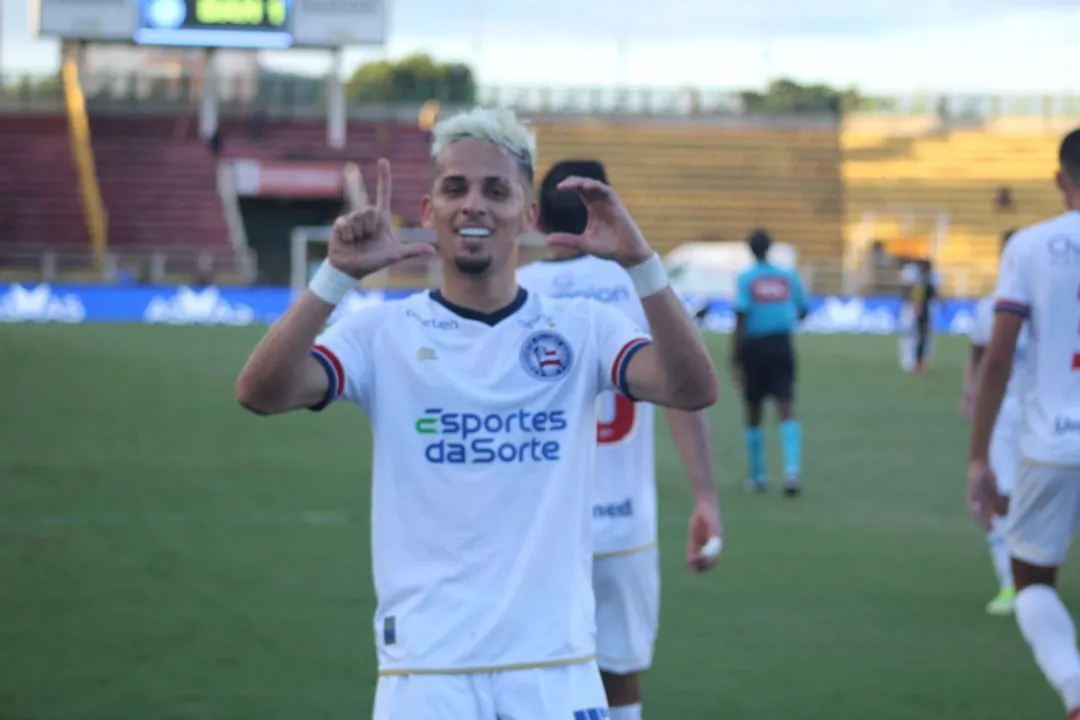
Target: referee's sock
(755, 453)
(791, 442)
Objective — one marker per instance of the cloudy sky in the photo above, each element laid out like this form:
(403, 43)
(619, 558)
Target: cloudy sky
(899, 46)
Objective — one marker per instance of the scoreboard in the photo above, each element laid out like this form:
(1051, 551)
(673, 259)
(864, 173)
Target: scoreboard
(214, 23)
(253, 24)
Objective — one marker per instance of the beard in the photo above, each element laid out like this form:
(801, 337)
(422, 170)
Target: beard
(472, 265)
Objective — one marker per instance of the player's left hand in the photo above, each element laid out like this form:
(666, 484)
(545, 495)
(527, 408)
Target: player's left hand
(704, 525)
(611, 232)
(982, 495)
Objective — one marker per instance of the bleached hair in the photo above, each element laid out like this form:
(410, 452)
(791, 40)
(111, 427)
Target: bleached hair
(497, 126)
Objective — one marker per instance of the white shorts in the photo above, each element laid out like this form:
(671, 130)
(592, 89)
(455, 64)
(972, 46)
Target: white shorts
(1043, 514)
(1005, 447)
(570, 692)
(627, 590)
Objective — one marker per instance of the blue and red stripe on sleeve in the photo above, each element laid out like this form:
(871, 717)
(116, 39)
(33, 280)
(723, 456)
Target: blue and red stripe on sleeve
(1012, 306)
(335, 374)
(622, 361)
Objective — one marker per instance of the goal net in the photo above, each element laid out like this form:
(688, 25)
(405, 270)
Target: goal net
(887, 237)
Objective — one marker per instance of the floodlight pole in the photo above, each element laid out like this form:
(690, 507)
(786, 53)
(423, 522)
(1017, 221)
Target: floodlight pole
(335, 98)
(208, 109)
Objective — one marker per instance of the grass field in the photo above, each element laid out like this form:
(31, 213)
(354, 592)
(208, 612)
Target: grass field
(165, 555)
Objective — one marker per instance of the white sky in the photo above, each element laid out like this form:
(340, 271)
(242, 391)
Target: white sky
(888, 46)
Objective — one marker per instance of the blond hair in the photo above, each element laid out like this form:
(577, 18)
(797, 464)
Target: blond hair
(498, 126)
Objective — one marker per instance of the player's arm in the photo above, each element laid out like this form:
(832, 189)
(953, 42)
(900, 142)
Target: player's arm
(741, 307)
(802, 303)
(1011, 308)
(675, 369)
(692, 434)
(281, 374)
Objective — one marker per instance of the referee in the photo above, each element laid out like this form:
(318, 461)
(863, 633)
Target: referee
(769, 303)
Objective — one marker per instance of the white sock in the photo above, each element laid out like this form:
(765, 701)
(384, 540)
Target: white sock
(626, 712)
(999, 553)
(1045, 624)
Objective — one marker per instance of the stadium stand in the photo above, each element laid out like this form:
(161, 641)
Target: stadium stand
(700, 182)
(402, 143)
(160, 192)
(961, 171)
(40, 192)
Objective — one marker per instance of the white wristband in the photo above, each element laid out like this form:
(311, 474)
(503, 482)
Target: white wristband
(649, 277)
(330, 284)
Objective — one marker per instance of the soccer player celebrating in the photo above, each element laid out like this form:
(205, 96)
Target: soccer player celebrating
(482, 398)
(769, 301)
(1039, 283)
(1004, 442)
(626, 564)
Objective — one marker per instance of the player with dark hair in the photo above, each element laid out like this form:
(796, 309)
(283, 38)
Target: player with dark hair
(769, 302)
(1038, 287)
(626, 567)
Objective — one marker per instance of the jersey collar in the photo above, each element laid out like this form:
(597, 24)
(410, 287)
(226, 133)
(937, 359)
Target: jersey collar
(491, 319)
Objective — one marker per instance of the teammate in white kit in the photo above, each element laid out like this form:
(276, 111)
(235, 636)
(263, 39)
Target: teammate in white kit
(626, 566)
(482, 399)
(1004, 443)
(1039, 283)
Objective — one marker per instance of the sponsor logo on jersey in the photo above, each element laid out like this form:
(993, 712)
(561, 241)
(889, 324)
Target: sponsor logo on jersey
(432, 322)
(598, 713)
(1064, 250)
(612, 294)
(518, 436)
(1066, 425)
(546, 355)
(624, 509)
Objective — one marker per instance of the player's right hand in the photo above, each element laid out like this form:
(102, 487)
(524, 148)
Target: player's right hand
(364, 242)
(982, 495)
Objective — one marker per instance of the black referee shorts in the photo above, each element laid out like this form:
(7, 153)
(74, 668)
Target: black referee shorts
(768, 364)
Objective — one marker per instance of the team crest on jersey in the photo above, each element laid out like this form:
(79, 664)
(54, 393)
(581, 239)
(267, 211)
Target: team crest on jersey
(546, 355)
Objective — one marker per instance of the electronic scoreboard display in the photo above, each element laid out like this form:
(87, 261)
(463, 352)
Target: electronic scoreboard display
(255, 24)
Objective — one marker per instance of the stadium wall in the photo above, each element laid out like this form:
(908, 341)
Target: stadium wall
(183, 305)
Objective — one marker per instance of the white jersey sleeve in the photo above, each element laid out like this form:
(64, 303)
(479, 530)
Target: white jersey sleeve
(983, 324)
(344, 350)
(618, 339)
(1013, 290)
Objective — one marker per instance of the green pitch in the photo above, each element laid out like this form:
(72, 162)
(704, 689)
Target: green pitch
(165, 555)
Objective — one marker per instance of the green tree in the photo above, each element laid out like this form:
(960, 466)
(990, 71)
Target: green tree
(414, 80)
(786, 97)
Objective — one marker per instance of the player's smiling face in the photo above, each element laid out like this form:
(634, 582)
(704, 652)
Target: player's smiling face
(479, 206)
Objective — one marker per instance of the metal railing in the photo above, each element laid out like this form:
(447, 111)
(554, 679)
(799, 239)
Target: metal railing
(278, 95)
(148, 266)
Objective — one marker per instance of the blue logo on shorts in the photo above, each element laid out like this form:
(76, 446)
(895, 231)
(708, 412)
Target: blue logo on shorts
(546, 355)
(599, 713)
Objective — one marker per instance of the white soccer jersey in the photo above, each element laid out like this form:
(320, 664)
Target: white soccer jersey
(484, 459)
(983, 328)
(624, 511)
(1040, 280)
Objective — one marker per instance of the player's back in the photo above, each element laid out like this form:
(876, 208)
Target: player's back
(1040, 279)
(772, 299)
(624, 515)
